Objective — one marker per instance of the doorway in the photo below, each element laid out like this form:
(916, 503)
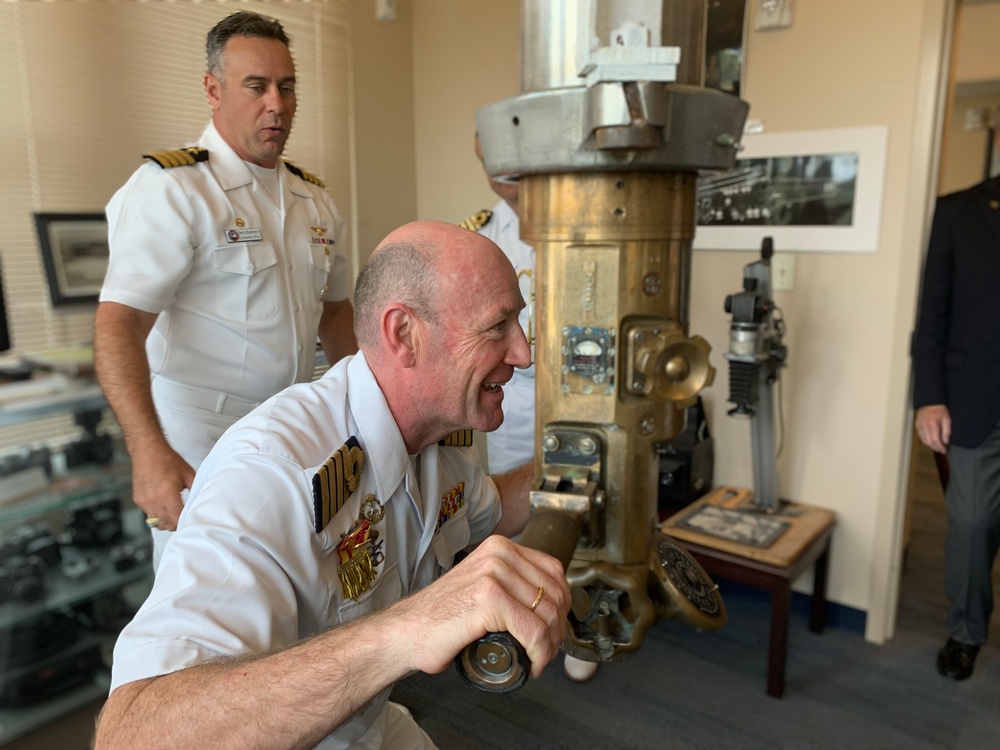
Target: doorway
(966, 158)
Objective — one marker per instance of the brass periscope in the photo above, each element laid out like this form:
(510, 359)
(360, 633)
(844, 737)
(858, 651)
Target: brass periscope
(607, 141)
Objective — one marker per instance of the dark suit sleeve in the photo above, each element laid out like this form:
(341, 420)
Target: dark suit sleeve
(930, 341)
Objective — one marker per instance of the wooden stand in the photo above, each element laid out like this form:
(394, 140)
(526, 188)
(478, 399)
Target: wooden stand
(774, 568)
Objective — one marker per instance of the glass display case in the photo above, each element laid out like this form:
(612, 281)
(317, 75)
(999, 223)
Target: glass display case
(74, 558)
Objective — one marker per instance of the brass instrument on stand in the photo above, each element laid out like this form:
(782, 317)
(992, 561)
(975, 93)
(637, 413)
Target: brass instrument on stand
(607, 140)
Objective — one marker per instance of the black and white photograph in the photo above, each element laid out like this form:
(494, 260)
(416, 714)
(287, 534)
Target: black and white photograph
(807, 190)
(810, 190)
(75, 252)
(744, 527)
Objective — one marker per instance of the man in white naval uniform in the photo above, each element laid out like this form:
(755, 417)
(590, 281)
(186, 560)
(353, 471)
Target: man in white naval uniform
(312, 565)
(226, 263)
(511, 447)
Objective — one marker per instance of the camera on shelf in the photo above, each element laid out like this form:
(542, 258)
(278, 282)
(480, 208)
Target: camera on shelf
(93, 446)
(25, 555)
(22, 579)
(95, 524)
(127, 556)
(26, 459)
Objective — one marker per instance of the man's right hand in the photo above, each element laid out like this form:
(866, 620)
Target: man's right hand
(158, 478)
(933, 425)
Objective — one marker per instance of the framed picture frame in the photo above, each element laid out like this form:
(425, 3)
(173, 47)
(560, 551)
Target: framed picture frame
(812, 191)
(74, 250)
(725, 34)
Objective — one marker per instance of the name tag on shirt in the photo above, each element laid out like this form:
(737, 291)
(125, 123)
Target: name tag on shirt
(243, 235)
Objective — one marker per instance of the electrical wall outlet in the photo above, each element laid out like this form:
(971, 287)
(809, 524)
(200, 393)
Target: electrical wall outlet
(782, 272)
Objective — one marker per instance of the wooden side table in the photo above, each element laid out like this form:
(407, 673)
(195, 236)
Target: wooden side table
(805, 542)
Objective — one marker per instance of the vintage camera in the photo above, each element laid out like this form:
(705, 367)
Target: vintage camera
(22, 579)
(95, 524)
(26, 459)
(17, 542)
(127, 556)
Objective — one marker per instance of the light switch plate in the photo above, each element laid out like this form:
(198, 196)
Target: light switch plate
(782, 272)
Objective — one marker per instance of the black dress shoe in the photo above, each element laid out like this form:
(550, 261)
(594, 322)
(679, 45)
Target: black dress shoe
(956, 659)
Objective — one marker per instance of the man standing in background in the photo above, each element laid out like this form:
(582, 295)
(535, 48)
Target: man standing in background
(510, 449)
(226, 263)
(956, 364)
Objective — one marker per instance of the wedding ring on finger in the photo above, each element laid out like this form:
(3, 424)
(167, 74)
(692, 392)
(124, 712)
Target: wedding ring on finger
(152, 522)
(538, 599)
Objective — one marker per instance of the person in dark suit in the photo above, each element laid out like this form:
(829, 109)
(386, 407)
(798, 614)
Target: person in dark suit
(956, 394)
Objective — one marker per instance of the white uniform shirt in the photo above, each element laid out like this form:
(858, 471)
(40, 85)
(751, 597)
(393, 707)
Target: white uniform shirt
(238, 280)
(247, 573)
(513, 443)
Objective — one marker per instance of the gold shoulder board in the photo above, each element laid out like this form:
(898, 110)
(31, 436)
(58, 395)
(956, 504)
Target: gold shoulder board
(457, 439)
(336, 479)
(181, 157)
(478, 220)
(304, 174)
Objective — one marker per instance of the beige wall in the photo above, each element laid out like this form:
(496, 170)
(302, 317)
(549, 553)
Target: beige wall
(465, 55)
(383, 133)
(976, 42)
(850, 315)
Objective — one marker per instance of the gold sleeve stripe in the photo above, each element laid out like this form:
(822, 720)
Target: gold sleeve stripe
(335, 480)
(457, 439)
(181, 157)
(304, 174)
(478, 220)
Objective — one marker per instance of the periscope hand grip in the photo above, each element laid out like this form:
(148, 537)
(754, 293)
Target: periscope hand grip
(496, 663)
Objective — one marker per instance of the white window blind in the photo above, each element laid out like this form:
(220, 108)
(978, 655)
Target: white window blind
(88, 87)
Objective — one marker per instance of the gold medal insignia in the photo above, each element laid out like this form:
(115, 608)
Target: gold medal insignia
(359, 551)
(335, 480)
(239, 222)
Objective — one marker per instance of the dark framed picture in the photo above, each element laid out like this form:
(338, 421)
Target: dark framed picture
(75, 252)
(724, 43)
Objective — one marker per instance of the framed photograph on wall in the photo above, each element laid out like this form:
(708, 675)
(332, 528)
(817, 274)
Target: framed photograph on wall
(818, 191)
(75, 253)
